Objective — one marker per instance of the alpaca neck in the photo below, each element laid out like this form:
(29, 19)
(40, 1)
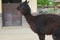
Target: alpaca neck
(28, 17)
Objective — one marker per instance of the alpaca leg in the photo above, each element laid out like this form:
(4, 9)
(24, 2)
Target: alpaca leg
(41, 36)
(56, 37)
(56, 34)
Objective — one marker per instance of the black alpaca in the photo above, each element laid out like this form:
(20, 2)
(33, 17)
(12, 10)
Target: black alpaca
(44, 24)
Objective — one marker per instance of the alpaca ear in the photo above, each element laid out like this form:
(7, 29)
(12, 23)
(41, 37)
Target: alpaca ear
(28, 2)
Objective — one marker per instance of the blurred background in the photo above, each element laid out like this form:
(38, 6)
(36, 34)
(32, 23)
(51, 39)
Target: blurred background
(48, 6)
(13, 26)
(12, 17)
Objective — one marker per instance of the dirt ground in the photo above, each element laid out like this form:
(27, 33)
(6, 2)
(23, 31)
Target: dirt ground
(20, 34)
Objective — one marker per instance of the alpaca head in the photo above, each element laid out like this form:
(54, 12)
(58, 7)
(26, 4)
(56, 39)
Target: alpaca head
(24, 8)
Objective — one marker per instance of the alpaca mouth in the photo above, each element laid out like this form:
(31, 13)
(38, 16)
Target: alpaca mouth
(22, 12)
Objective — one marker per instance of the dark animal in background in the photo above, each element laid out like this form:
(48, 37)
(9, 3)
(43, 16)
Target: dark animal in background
(44, 24)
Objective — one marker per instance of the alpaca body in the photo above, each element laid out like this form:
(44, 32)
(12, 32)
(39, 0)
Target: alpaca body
(45, 23)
